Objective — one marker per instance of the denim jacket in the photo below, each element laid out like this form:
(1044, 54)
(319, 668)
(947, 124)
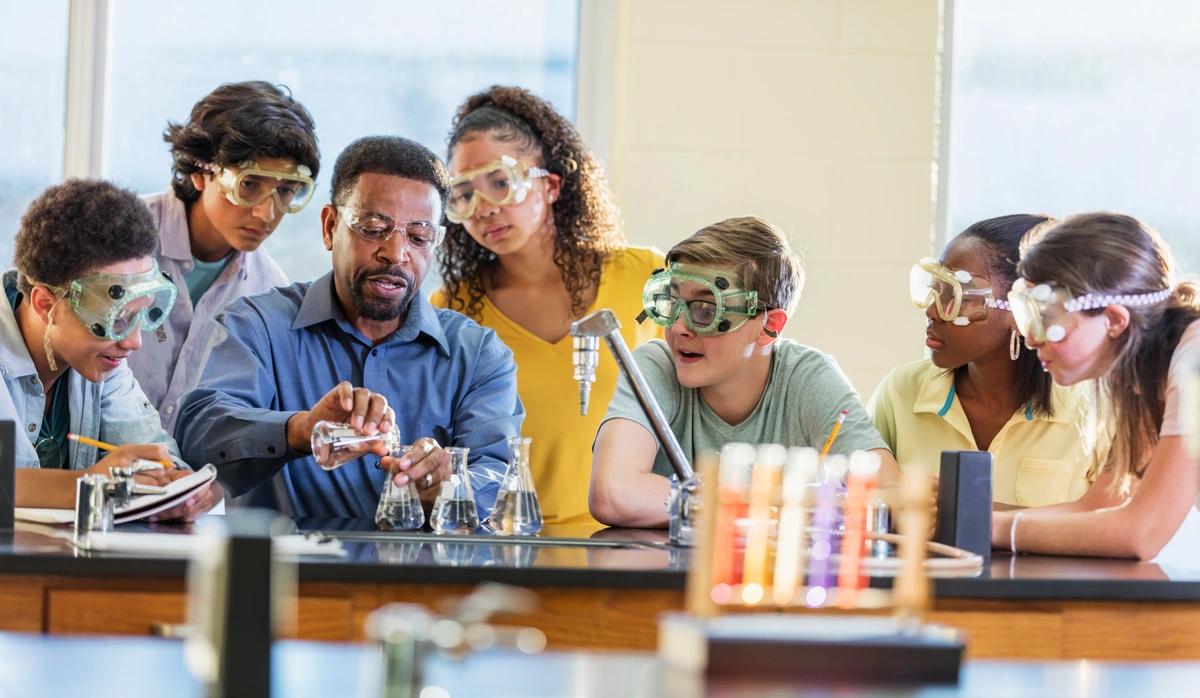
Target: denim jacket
(114, 410)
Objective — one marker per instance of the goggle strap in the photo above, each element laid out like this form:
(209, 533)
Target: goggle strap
(999, 305)
(1091, 301)
(537, 172)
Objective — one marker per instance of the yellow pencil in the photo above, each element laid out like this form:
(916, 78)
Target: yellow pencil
(837, 426)
(166, 462)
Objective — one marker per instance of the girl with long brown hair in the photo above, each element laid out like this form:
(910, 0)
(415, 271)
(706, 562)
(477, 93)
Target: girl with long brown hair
(533, 243)
(1098, 299)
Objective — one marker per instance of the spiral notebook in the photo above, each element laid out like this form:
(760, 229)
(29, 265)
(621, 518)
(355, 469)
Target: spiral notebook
(140, 507)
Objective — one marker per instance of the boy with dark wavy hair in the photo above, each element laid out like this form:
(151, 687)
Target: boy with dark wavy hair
(246, 156)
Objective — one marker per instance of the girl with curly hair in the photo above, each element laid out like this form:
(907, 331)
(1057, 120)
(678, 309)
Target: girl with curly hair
(533, 242)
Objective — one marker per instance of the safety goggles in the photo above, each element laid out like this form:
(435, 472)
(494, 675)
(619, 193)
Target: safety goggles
(112, 306)
(1046, 312)
(957, 296)
(249, 185)
(501, 182)
(378, 228)
(717, 303)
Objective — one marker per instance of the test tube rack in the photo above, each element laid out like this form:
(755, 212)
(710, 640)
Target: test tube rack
(743, 593)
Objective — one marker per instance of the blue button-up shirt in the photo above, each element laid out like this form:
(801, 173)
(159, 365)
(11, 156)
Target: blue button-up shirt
(113, 410)
(280, 352)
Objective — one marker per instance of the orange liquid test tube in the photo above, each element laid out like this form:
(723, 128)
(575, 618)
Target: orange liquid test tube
(736, 460)
(863, 472)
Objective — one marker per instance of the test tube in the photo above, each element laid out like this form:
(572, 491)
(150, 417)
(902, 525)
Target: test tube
(763, 484)
(824, 516)
(736, 460)
(864, 469)
(791, 551)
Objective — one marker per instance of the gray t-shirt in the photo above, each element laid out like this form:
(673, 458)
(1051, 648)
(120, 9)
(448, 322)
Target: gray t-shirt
(805, 392)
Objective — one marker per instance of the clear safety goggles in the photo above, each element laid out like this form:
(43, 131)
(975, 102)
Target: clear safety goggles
(378, 228)
(957, 296)
(717, 303)
(112, 306)
(249, 185)
(501, 182)
(1046, 312)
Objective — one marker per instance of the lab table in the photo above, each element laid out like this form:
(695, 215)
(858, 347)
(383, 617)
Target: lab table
(598, 589)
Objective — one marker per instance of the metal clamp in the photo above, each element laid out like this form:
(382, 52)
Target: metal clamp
(98, 497)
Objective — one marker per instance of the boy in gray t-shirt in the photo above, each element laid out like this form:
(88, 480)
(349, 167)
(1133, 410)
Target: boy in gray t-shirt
(722, 374)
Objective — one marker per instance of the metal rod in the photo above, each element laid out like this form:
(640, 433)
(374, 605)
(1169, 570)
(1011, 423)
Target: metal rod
(666, 437)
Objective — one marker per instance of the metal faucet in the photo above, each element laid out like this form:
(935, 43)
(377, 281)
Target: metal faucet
(587, 333)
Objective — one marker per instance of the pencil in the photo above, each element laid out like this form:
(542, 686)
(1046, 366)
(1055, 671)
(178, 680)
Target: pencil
(837, 426)
(166, 462)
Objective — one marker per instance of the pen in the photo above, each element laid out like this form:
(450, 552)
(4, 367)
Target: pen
(166, 462)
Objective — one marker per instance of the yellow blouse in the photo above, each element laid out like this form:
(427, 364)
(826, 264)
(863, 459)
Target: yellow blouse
(1036, 460)
(561, 453)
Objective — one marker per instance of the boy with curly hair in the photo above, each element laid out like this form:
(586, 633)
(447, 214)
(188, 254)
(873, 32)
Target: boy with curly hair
(85, 287)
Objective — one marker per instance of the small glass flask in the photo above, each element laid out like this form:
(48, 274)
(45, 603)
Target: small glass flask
(517, 511)
(399, 505)
(454, 510)
(335, 443)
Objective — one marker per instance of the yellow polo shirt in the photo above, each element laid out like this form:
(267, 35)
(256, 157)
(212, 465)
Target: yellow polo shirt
(1036, 460)
(561, 454)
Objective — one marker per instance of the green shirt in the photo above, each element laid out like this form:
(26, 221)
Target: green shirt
(202, 276)
(805, 392)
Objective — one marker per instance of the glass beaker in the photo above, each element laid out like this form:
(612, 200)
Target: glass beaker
(336, 443)
(517, 511)
(399, 505)
(454, 510)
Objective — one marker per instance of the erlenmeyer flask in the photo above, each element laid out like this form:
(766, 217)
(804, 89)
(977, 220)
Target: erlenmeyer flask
(454, 511)
(517, 511)
(399, 505)
(335, 443)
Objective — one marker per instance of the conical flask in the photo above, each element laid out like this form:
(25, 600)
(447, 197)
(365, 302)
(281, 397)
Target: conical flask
(455, 511)
(517, 511)
(399, 505)
(335, 443)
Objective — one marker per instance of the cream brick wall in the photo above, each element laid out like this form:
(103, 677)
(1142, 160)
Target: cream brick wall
(816, 114)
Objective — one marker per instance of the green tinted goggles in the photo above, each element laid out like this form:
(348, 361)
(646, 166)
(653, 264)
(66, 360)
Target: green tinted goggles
(711, 301)
(112, 306)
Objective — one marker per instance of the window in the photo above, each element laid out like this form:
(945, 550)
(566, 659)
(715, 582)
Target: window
(361, 67)
(31, 131)
(1073, 106)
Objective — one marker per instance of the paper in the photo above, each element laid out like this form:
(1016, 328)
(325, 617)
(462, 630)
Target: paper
(140, 507)
(177, 492)
(182, 545)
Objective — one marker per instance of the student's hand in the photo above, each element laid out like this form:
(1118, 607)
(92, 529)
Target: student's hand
(126, 455)
(200, 502)
(365, 411)
(425, 464)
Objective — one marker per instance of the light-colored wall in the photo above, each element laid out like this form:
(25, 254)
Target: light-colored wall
(816, 114)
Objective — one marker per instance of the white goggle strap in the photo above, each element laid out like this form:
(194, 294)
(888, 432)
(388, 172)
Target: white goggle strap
(1091, 301)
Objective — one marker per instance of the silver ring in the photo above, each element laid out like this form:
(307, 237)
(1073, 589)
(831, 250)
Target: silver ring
(429, 479)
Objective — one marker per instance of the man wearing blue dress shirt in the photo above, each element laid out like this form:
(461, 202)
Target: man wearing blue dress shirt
(358, 345)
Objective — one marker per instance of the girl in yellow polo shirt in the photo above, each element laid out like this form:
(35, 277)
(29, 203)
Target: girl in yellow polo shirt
(981, 389)
(533, 243)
